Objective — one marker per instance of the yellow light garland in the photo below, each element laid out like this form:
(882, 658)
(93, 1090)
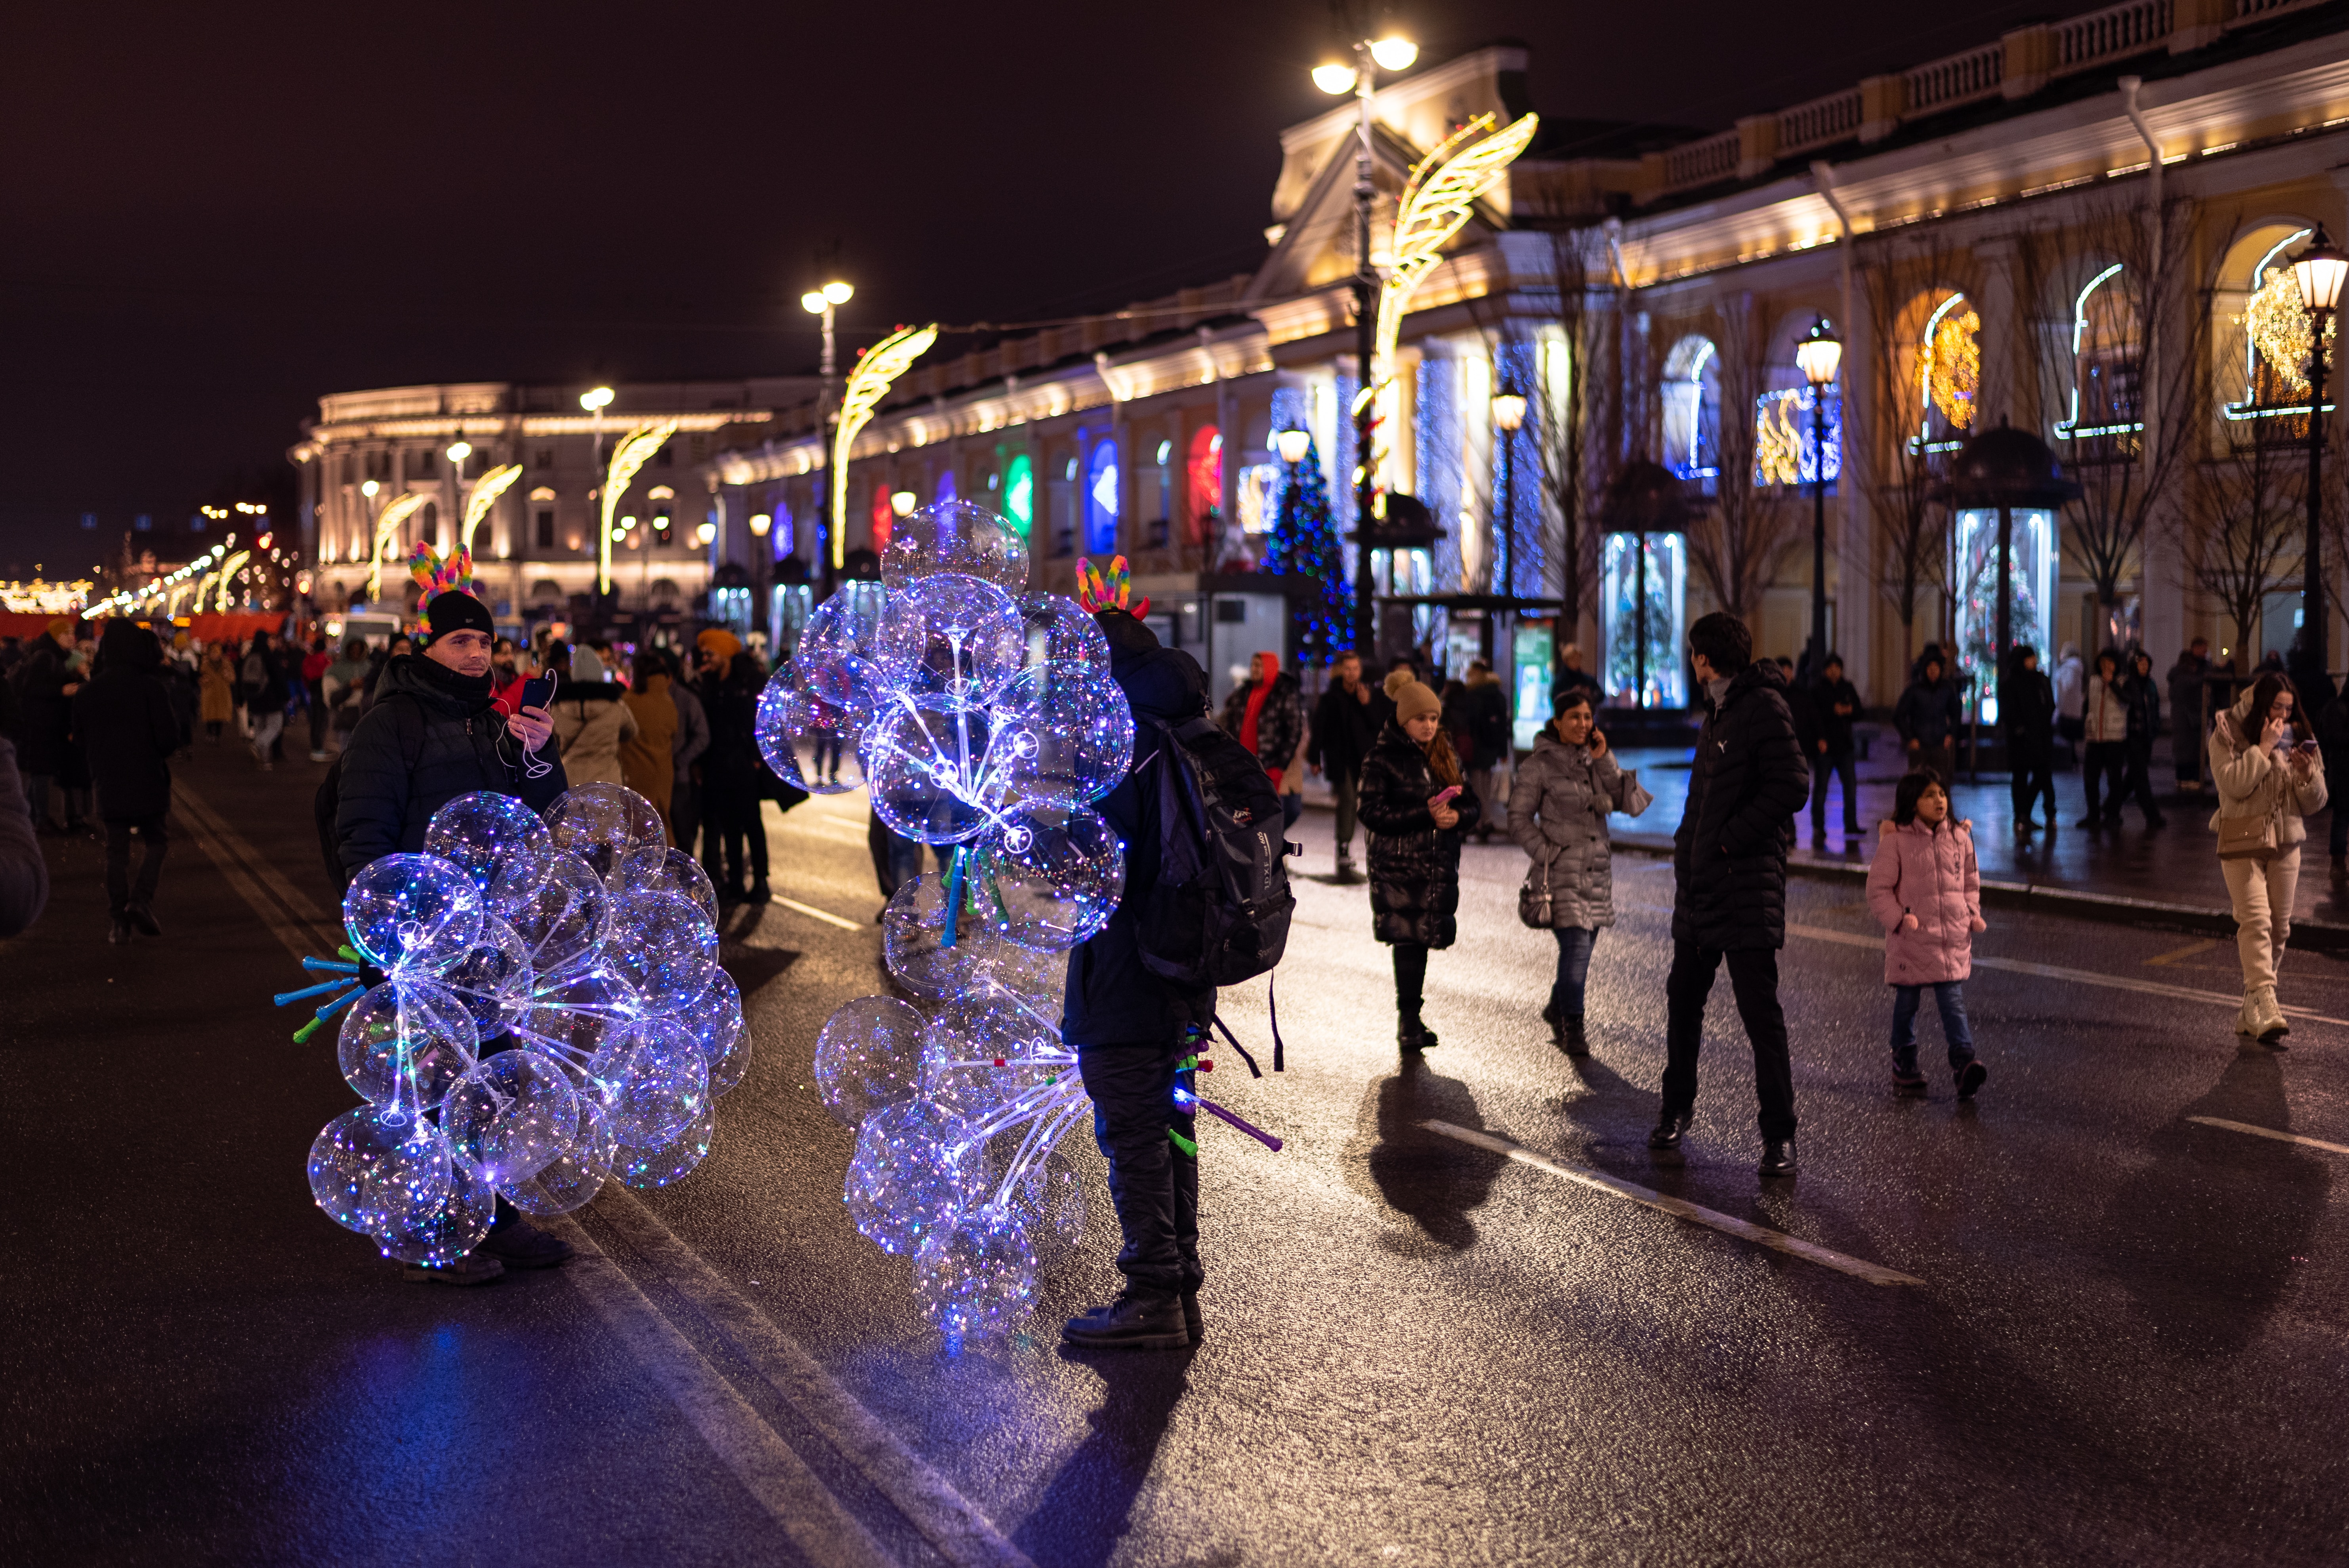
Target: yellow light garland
(387, 526)
(2278, 324)
(486, 491)
(635, 450)
(867, 384)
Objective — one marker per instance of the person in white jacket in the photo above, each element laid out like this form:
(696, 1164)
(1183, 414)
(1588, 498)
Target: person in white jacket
(2104, 723)
(2071, 678)
(2269, 776)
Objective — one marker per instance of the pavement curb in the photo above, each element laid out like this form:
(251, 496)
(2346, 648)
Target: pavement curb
(2308, 936)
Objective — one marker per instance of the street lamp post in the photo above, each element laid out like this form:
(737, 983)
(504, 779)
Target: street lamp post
(459, 450)
(596, 400)
(2318, 270)
(822, 303)
(1508, 418)
(1820, 355)
(1391, 54)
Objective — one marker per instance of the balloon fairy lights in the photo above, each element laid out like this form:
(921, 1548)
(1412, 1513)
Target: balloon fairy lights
(529, 1008)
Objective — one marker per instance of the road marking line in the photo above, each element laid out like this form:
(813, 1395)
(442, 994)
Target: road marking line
(286, 918)
(824, 914)
(2271, 1132)
(1679, 1208)
(927, 1501)
(2191, 950)
(794, 1498)
(2076, 977)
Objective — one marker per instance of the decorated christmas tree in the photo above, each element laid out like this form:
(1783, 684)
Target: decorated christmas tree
(1305, 543)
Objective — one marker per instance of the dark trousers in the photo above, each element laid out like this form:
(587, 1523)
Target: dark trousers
(2140, 780)
(1836, 765)
(1345, 787)
(1949, 996)
(2340, 815)
(1153, 1184)
(2034, 781)
(1753, 978)
(726, 824)
(319, 715)
(37, 799)
(684, 813)
(121, 892)
(1411, 980)
(2107, 765)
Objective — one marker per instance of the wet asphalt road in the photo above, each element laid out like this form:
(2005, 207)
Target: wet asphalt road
(2126, 1346)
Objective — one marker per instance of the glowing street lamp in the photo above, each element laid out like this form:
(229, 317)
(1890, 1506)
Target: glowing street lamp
(901, 504)
(2318, 270)
(1508, 418)
(1820, 355)
(1294, 445)
(759, 523)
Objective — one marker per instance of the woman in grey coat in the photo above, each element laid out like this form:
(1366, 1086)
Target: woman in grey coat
(1557, 815)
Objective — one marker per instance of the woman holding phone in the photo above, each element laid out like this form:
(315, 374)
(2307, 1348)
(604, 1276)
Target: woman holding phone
(1417, 807)
(2268, 776)
(1557, 815)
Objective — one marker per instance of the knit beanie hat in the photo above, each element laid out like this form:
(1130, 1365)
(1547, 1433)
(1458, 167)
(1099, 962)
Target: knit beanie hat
(1396, 680)
(1412, 699)
(456, 611)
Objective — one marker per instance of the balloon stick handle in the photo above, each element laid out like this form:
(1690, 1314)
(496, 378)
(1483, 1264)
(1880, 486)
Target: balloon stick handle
(1259, 1134)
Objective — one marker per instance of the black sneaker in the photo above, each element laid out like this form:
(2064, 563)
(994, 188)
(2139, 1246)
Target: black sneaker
(758, 894)
(1665, 1142)
(522, 1246)
(1909, 1084)
(1777, 1156)
(1192, 1325)
(1970, 1077)
(117, 930)
(144, 919)
(1137, 1320)
(471, 1269)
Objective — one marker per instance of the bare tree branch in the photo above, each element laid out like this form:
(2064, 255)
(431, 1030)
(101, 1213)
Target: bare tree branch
(1736, 543)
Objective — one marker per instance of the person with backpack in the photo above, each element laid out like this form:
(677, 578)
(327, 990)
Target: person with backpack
(266, 694)
(1134, 1028)
(433, 735)
(1729, 884)
(1419, 809)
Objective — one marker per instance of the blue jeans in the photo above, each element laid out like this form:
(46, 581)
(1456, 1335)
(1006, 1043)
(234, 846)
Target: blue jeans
(1574, 944)
(1949, 996)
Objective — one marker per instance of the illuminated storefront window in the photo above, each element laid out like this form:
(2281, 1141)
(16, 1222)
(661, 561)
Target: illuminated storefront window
(1019, 494)
(1974, 545)
(1101, 499)
(1663, 576)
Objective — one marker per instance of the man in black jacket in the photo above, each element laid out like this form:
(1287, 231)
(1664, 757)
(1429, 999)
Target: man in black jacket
(2026, 708)
(433, 735)
(1131, 1029)
(2187, 730)
(1344, 726)
(123, 717)
(1729, 869)
(1834, 703)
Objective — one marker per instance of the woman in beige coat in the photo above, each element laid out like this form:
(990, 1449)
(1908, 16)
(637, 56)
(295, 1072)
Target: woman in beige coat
(2269, 777)
(592, 720)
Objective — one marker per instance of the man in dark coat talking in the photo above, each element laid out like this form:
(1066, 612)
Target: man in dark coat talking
(1729, 871)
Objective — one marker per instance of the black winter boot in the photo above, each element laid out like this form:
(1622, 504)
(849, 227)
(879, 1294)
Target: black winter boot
(1137, 1320)
(1571, 1038)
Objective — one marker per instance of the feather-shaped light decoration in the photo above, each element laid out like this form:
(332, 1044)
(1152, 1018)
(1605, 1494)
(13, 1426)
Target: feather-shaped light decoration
(229, 568)
(867, 384)
(635, 450)
(1443, 191)
(486, 491)
(386, 529)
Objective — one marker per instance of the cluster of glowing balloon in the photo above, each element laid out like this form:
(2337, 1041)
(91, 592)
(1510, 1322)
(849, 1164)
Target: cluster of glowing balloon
(535, 1008)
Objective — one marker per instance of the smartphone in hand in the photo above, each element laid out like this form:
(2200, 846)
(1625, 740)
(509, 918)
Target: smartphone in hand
(1444, 797)
(537, 691)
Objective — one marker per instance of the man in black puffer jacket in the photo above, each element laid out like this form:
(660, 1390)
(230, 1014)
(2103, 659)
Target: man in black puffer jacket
(1729, 870)
(124, 720)
(1130, 1026)
(433, 735)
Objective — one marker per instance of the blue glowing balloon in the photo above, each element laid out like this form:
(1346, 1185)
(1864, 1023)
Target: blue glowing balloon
(412, 912)
(985, 1055)
(1055, 872)
(924, 761)
(493, 979)
(869, 1055)
(509, 1118)
(662, 944)
(645, 1169)
(496, 840)
(1062, 730)
(404, 1043)
(653, 1081)
(957, 537)
(714, 1019)
(951, 635)
(971, 1276)
(573, 1015)
(379, 1172)
(835, 661)
(914, 938)
(562, 923)
(449, 1232)
(572, 1179)
(1057, 630)
(604, 824)
(901, 1182)
(810, 741)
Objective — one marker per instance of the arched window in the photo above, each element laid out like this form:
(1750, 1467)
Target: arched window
(1102, 498)
(1020, 493)
(2262, 334)
(1790, 445)
(1203, 491)
(2103, 405)
(1691, 395)
(1949, 373)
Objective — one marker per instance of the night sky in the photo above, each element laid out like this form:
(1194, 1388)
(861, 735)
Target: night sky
(216, 213)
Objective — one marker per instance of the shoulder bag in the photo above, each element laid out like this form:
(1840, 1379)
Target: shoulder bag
(1532, 898)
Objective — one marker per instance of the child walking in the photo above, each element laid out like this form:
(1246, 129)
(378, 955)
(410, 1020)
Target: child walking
(1925, 890)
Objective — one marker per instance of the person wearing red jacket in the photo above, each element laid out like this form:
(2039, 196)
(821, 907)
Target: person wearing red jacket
(1925, 890)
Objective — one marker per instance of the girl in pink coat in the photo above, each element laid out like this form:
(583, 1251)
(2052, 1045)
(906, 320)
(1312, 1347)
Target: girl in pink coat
(1925, 890)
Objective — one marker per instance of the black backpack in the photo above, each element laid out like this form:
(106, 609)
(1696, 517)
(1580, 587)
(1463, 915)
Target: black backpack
(328, 801)
(1219, 913)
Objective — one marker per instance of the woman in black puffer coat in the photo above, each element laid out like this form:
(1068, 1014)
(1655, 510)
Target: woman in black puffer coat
(1415, 846)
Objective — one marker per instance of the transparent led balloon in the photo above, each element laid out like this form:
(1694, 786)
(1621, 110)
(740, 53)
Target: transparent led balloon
(493, 979)
(644, 1169)
(810, 741)
(572, 1179)
(496, 840)
(404, 1043)
(913, 937)
(652, 1079)
(957, 537)
(925, 762)
(972, 1275)
(379, 1172)
(1057, 631)
(563, 922)
(1056, 870)
(662, 944)
(603, 824)
(509, 1116)
(901, 1182)
(725, 1071)
(448, 1232)
(950, 635)
(869, 1055)
(413, 913)
(714, 1019)
(1063, 731)
(835, 658)
(573, 1015)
